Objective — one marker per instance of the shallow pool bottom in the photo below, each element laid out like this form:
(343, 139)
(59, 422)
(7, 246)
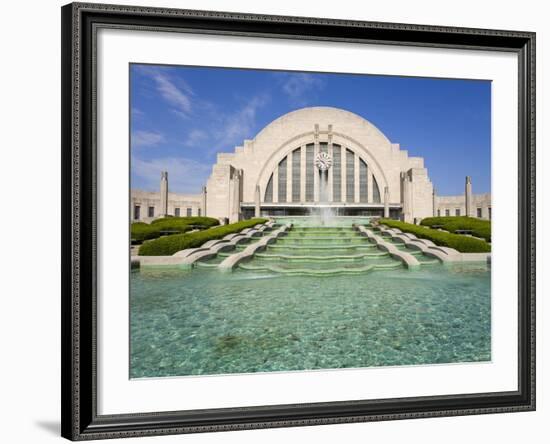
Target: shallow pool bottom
(203, 322)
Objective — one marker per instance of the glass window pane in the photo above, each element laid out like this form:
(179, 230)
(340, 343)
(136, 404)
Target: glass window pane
(269, 190)
(282, 180)
(350, 176)
(296, 166)
(363, 172)
(336, 173)
(375, 191)
(310, 171)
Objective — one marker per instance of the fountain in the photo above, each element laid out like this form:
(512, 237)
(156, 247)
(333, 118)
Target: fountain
(326, 212)
(323, 162)
(321, 244)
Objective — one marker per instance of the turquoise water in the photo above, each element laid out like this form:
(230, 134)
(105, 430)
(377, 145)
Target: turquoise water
(202, 321)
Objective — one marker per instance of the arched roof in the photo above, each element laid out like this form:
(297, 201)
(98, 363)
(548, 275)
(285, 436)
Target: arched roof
(323, 115)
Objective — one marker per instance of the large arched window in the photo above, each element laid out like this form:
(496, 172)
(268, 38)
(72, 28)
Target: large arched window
(295, 181)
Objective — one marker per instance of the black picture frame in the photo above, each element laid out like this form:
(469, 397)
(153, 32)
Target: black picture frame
(80, 22)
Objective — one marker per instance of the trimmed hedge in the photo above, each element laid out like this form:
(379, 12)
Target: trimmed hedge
(141, 231)
(480, 227)
(464, 244)
(205, 222)
(168, 245)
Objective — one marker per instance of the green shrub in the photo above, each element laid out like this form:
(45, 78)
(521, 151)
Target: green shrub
(141, 231)
(479, 227)
(173, 225)
(204, 222)
(464, 244)
(168, 245)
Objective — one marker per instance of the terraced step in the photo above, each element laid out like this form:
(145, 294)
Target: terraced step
(321, 258)
(324, 251)
(314, 229)
(324, 240)
(219, 258)
(321, 235)
(207, 264)
(308, 271)
(237, 249)
(364, 245)
(403, 247)
(426, 260)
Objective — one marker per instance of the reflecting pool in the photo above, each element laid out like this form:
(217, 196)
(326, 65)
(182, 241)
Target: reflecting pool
(202, 321)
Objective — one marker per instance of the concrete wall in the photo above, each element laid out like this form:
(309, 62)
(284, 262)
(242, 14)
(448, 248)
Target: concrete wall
(146, 199)
(422, 194)
(454, 203)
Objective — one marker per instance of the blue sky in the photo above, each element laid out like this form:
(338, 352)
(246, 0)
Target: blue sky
(182, 116)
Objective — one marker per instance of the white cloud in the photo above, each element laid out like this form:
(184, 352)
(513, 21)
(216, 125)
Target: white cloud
(239, 125)
(176, 92)
(146, 139)
(172, 94)
(299, 85)
(184, 175)
(194, 137)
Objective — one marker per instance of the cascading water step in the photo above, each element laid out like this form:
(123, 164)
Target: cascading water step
(319, 251)
(327, 259)
(214, 261)
(324, 271)
(322, 251)
(322, 241)
(365, 246)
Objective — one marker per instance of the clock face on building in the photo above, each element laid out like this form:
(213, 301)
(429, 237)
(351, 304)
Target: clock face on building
(323, 161)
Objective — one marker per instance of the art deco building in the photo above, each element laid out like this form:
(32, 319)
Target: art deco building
(311, 159)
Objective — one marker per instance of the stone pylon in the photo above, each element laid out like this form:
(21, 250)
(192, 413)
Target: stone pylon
(203, 201)
(468, 196)
(163, 193)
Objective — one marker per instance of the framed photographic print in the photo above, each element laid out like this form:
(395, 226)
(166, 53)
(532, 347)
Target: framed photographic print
(280, 221)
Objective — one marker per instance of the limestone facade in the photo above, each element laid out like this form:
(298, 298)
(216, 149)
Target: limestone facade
(307, 160)
(480, 206)
(148, 205)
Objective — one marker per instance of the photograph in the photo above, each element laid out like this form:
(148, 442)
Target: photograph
(274, 221)
(291, 221)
